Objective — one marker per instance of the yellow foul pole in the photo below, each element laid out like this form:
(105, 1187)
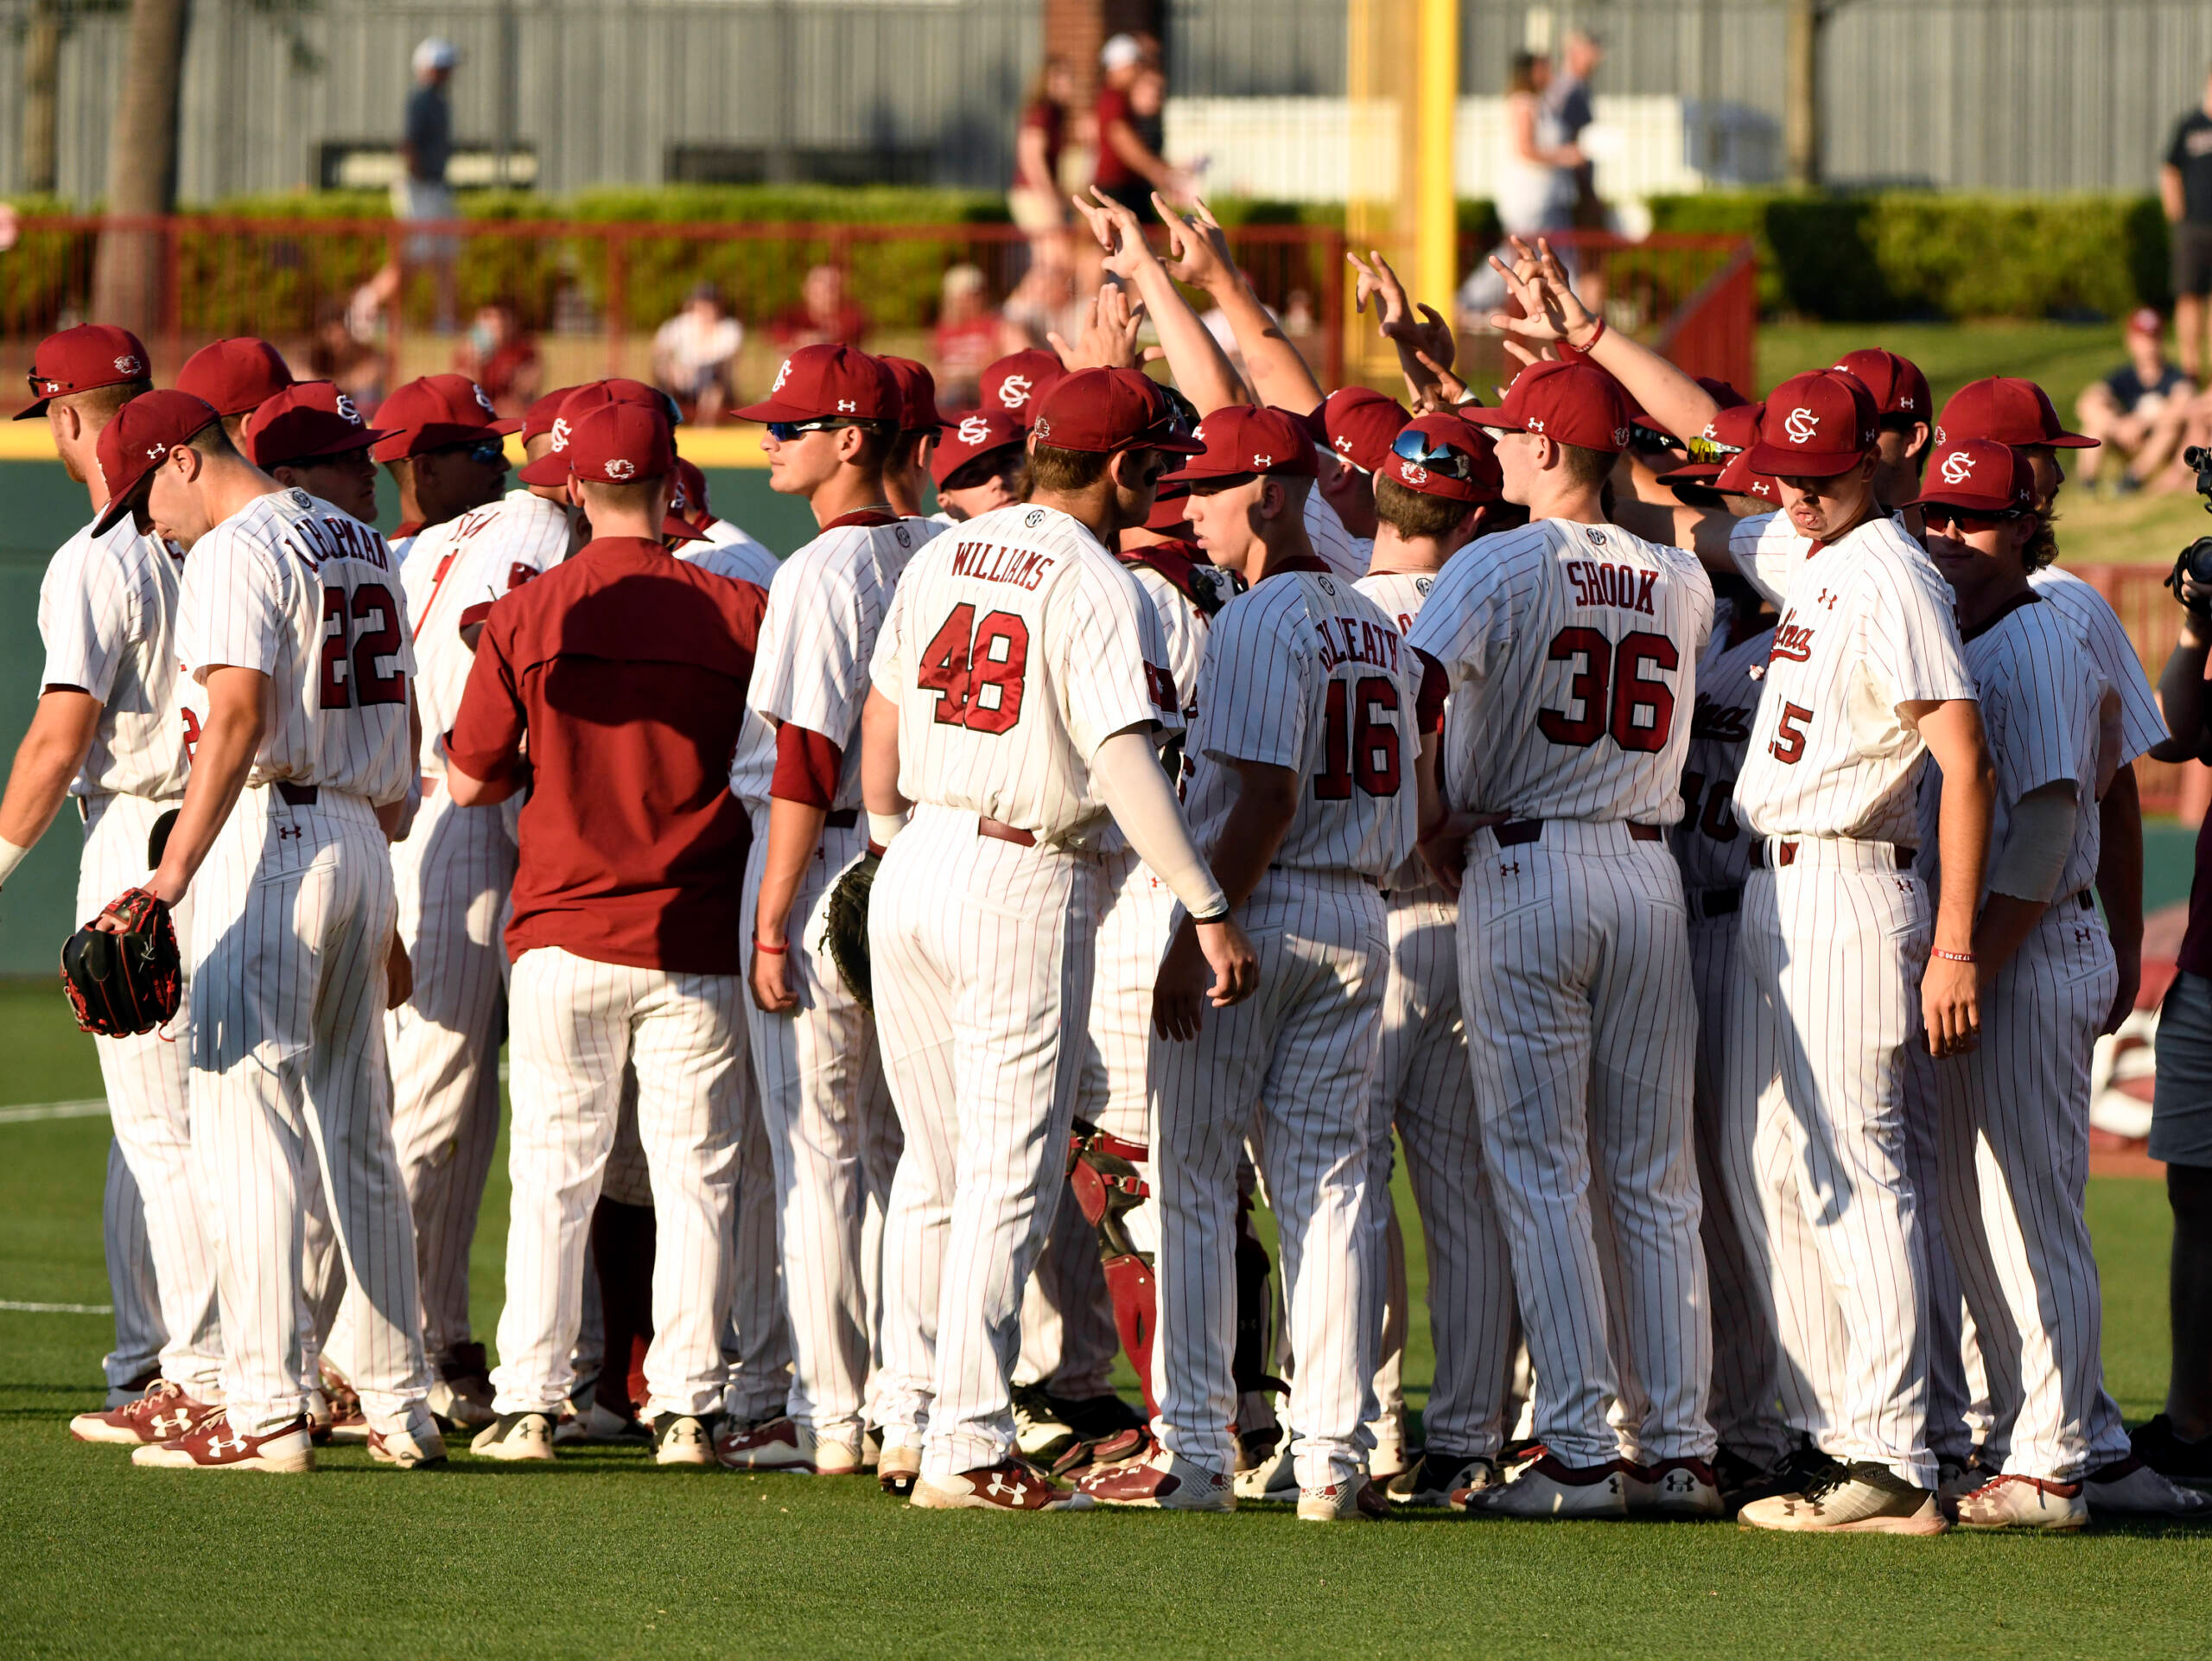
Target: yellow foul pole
(1434, 186)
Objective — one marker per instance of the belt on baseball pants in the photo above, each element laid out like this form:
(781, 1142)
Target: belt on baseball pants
(297, 795)
(1714, 902)
(999, 830)
(1515, 832)
(1772, 854)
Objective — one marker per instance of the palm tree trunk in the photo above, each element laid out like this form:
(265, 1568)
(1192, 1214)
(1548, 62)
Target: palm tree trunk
(127, 280)
(41, 88)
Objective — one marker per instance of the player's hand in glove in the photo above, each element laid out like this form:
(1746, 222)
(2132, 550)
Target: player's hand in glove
(398, 974)
(1209, 962)
(122, 970)
(844, 926)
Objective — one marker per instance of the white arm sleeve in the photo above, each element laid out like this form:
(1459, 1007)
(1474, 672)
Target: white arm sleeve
(1137, 794)
(2038, 840)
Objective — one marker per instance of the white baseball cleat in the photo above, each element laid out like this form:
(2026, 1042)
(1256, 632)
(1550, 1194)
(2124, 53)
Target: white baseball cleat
(784, 1444)
(1011, 1485)
(516, 1436)
(1274, 1478)
(898, 1465)
(1166, 1481)
(1348, 1499)
(410, 1450)
(1545, 1488)
(684, 1439)
(1431, 1480)
(2128, 1487)
(1670, 1487)
(211, 1445)
(2024, 1502)
(1858, 1499)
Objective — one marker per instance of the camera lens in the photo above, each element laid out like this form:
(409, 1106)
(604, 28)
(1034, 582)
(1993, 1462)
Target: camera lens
(2198, 562)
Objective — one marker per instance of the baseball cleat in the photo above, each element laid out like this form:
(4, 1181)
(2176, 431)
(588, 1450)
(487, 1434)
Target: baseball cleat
(2023, 1502)
(2188, 1463)
(1390, 1455)
(1740, 1478)
(1273, 1477)
(123, 1394)
(516, 1436)
(784, 1444)
(461, 1397)
(1348, 1499)
(1670, 1488)
(600, 1426)
(1432, 1480)
(1546, 1488)
(1165, 1482)
(1862, 1497)
(684, 1438)
(162, 1414)
(211, 1445)
(1956, 1479)
(898, 1465)
(1040, 1431)
(2130, 1487)
(1011, 1485)
(408, 1450)
(342, 1419)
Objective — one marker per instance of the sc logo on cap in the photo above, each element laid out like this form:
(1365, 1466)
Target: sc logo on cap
(483, 398)
(619, 467)
(974, 429)
(345, 408)
(560, 433)
(1958, 468)
(1801, 424)
(1013, 392)
(782, 375)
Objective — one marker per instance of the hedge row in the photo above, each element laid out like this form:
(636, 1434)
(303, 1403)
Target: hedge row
(1897, 254)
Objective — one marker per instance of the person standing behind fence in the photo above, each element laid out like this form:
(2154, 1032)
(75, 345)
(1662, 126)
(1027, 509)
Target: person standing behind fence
(1129, 167)
(420, 191)
(1536, 185)
(2185, 192)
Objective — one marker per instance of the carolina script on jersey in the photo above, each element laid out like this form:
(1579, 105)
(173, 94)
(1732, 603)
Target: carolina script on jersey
(1792, 641)
(990, 561)
(1624, 585)
(313, 542)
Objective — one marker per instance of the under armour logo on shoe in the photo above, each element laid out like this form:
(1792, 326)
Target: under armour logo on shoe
(218, 1446)
(1013, 1492)
(165, 1425)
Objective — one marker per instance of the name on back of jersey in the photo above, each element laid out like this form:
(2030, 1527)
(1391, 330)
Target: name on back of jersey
(1353, 639)
(1599, 584)
(991, 562)
(315, 542)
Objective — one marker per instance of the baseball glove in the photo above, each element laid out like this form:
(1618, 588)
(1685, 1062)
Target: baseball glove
(129, 982)
(844, 927)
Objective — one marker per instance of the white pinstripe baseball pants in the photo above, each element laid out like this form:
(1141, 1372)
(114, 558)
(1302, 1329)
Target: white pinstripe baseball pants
(1299, 1056)
(575, 1024)
(1575, 976)
(1832, 949)
(161, 1256)
(757, 1342)
(294, 909)
(983, 953)
(2014, 1167)
(453, 873)
(834, 1141)
(1423, 1086)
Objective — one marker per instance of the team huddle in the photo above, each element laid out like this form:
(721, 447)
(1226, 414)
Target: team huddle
(1673, 825)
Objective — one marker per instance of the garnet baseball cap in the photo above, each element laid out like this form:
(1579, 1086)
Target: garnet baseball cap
(436, 413)
(1723, 395)
(821, 382)
(307, 420)
(972, 436)
(1896, 384)
(142, 433)
(1170, 511)
(1447, 456)
(2008, 409)
(77, 360)
(2145, 320)
(1978, 474)
(917, 395)
(1733, 429)
(1817, 426)
(1355, 424)
(1737, 479)
(1572, 403)
(688, 498)
(1238, 439)
(1098, 411)
(237, 376)
(621, 444)
(1017, 383)
(552, 467)
(537, 420)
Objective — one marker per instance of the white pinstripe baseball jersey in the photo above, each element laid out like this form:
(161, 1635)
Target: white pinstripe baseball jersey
(1402, 595)
(1711, 844)
(459, 568)
(2042, 698)
(107, 611)
(739, 559)
(1345, 554)
(1867, 625)
(1583, 642)
(1015, 646)
(721, 533)
(825, 608)
(2105, 639)
(1307, 672)
(311, 597)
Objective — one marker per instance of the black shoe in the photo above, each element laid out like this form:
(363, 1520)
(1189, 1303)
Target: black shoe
(2157, 1446)
(685, 1438)
(1095, 1418)
(1740, 1478)
(1803, 1469)
(1041, 1435)
(1433, 1478)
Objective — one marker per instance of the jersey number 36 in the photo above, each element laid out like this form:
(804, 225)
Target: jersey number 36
(1639, 713)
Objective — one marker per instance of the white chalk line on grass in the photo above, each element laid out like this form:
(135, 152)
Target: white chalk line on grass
(95, 1108)
(56, 1309)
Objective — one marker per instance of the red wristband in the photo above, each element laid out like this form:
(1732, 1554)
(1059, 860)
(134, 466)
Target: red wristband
(1951, 956)
(759, 945)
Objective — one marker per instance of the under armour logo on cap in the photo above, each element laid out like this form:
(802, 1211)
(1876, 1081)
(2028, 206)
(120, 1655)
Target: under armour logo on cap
(846, 406)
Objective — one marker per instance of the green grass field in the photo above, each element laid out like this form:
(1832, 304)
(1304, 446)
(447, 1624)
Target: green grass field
(608, 1556)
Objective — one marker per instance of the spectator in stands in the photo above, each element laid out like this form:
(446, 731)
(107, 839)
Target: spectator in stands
(968, 336)
(695, 355)
(499, 356)
(1129, 167)
(1536, 186)
(1039, 204)
(824, 315)
(2185, 190)
(1567, 101)
(2140, 410)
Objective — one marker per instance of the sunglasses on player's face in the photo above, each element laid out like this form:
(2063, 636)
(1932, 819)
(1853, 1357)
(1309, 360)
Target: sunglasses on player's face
(1433, 454)
(1710, 450)
(484, 452)
(1940, 517)
(783, 431)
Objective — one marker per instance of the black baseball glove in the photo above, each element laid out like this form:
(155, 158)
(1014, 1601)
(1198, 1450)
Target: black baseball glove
(128, 982)
(844, 931)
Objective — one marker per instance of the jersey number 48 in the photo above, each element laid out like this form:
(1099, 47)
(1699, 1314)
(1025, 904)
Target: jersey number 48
(976, 670)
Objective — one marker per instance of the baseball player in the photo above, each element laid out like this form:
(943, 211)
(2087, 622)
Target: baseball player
(1015, 386)
(310, 437)
(292, 621)
(748, 558)
(2018, 413)
(919, 426)
(440, 482)
(237, 376)
(1571, 651)
(979, 464)
(1301, 767)
(2014, 1113)
(1905, 419)
(1017, 684)
(833, 416)
(108, 731)
(1433, 492)
(1351, 430)
(624, 671)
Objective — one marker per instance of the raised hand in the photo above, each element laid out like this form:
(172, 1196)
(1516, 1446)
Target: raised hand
(1198, 248)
